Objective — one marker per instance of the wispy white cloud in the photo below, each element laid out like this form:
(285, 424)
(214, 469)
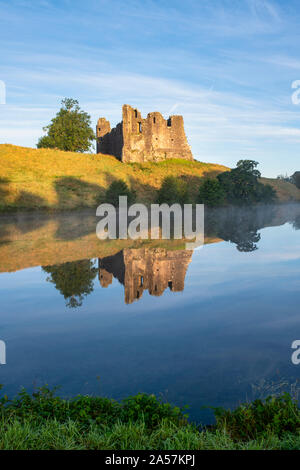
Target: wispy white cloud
(209, 115)
(285, 62)
(214, 63)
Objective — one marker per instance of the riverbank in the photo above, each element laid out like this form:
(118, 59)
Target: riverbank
(46, 179)
(44, 421)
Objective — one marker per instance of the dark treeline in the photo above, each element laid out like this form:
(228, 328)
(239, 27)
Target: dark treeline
(240, 186)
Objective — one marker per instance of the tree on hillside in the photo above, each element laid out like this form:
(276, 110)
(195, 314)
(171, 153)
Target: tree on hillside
(119, 188)
(173, 190)
(242, 185)
(296, 178)
(69, 130)
(211, 193)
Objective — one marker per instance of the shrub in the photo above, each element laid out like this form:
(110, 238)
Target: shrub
(119, 188)
(173, 190)
(151, 409)
(211, 193)
(275, 415)
(44, 405)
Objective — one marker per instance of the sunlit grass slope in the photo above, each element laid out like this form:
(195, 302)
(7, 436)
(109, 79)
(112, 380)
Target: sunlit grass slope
(52, 179)
(285, 191)
(35, 179)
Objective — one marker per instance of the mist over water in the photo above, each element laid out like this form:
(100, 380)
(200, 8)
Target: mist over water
(209, 327)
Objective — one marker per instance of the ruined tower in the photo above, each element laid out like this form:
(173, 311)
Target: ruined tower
(143, 269)
(141, 140)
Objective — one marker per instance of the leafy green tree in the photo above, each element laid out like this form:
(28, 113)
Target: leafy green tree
(173, 190)
(249, 167)
(296, 178)
(69, 130)
(119, 188)
(211, 193)
(242, 185)
(265, 193)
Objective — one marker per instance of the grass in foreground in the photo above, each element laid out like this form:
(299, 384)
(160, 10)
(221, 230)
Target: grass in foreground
(45, 421)
(52, 435)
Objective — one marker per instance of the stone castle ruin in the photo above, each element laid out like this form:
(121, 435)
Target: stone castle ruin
(142, 140)
(143, 269)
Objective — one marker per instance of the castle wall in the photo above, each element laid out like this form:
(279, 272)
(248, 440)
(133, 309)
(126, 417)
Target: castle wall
(140, 140)
(144, 269)
(109, 141)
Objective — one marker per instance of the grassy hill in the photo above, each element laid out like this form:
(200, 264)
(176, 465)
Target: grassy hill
(45, 178)
(285, 191)
(52, 179)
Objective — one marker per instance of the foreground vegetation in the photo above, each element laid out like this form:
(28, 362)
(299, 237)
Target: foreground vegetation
(56, 180)
(45, 421)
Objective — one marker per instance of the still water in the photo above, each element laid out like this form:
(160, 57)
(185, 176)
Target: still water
(210, 327)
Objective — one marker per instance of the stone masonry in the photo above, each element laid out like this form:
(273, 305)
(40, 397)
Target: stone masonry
(142, 140)
(143, 269)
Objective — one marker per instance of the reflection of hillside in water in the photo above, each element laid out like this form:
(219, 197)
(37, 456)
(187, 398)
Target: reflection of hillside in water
(145, 269)
(65, 244)
(28, 240)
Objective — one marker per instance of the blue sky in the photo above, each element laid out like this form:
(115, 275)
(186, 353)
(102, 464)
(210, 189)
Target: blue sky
(226, 65)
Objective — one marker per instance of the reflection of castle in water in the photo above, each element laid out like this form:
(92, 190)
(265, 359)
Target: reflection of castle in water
(144, 269)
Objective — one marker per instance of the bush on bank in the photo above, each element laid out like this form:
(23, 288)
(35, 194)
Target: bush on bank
(173, 190)
(119, 188)
(45, 404)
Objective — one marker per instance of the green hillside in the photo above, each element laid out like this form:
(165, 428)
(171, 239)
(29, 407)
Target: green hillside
(52, 179)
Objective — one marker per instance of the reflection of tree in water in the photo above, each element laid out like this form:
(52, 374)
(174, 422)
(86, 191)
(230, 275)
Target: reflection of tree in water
(74, 280)
(245, 237)
(239, 226)
(296, 223)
